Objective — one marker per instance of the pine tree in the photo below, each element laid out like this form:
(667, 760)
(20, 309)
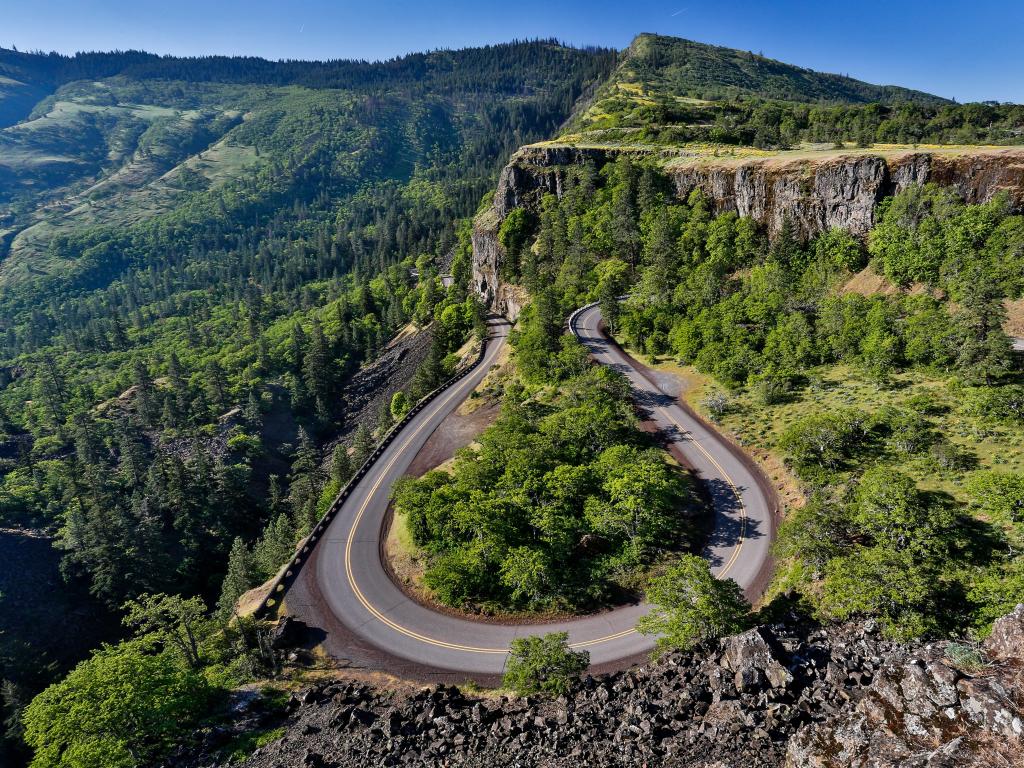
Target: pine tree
(237, 580)
(362, 445)
(274, 549)
(341, 465)
(178, 391)
(317, 371)
(146, 394)
(252, 413)
(216, 386)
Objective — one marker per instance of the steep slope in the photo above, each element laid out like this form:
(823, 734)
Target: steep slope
(190, 249)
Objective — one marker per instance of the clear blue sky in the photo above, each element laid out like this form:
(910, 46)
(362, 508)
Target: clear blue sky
(963, 50)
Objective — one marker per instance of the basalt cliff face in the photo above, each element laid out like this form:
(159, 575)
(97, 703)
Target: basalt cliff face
(814, 193)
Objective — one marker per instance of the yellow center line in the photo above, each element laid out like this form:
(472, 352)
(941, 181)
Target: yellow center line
(456, 646)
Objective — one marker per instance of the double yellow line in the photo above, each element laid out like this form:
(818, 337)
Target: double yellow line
(472, 649)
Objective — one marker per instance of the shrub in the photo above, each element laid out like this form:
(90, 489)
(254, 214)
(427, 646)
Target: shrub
(544, 664)
(691, 605)
(823, 439)
(771, 390)
(246, 445)
(716, 405)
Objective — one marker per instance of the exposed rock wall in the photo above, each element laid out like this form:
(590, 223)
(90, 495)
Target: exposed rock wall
(816, 194)
(843, 192)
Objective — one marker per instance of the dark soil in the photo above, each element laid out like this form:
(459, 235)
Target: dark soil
(457, 431)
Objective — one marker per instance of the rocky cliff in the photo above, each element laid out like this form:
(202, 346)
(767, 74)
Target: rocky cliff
(816, 191)
(782, 695)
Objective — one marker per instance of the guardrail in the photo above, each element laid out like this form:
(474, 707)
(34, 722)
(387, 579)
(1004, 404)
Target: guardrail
(576, 315)
(287, 575)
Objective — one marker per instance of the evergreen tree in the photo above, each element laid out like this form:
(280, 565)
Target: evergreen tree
(341, 465)
(237, 580)
(362, 445)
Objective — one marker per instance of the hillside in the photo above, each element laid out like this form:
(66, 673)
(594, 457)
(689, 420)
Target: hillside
(681, 67)
(196, 256)
(668, 92)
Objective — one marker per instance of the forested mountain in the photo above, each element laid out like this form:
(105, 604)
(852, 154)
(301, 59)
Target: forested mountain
(196, 254)
(669, 92)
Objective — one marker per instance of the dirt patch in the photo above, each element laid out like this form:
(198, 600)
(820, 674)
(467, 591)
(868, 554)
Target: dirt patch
(867, 282)
(404, 563)
(489, 389)
(457, 431)
(1015, 318)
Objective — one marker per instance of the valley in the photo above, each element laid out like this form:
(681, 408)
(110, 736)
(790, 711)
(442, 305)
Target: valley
(748, 462)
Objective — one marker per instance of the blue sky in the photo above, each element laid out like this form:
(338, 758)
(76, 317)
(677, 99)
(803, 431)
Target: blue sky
(968, 51)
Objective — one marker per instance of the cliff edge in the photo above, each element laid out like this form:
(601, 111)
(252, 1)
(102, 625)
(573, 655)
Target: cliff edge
(816, 190)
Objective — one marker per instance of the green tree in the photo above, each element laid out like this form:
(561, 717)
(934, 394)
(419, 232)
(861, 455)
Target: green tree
(889, 508)
(399, 405)
(544, 664)
(525, 572)
(690, 605)
(180, 622)
(118, 709)
(881, 582)
(274, 548)
(362, 445)
(341, 465)
(821, 439)
(237, 580)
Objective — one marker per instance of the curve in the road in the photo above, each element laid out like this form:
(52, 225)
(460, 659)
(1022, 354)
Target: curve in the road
(358, 590)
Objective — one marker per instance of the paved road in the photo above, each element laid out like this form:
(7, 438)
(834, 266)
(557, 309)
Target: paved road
(356, 589)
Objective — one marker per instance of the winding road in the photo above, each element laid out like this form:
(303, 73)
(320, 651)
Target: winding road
(352, 584)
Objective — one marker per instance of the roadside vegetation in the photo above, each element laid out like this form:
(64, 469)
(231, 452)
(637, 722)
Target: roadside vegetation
(892, 411)
(563, 504)
(544, 664)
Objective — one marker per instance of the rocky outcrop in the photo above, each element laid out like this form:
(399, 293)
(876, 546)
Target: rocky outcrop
(814, 193)
(843, 192)
(938, 707)
(498, 294)
(782, 695)
(773, 694)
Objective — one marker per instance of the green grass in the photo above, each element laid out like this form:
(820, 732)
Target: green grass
(245, 744)
(988, 447)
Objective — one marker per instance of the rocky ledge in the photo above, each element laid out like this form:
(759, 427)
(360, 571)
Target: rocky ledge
(780, 695)
(814, 191)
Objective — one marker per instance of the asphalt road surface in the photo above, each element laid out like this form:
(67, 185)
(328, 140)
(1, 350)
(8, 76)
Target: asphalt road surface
(355, 587)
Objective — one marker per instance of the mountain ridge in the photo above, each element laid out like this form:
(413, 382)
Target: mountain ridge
(692, 63)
